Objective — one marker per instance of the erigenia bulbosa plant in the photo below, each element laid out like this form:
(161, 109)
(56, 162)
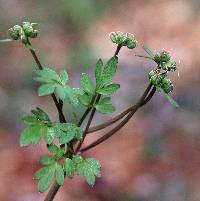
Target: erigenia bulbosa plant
(64, 140)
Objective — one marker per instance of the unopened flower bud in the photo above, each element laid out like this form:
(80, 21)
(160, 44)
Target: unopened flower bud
(13, 34)
(27, 28)
(167, 85)
(34, 34)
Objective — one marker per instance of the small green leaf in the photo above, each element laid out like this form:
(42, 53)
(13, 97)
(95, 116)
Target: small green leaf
(109, 70)
(48, 134)
(46, 89)
(85, 99)
(86, 83)
(60, 92)
(105, 105)
(40, 114)
(67, 131)
(89, 168)
(70, 168)
(64, 76)
(149, 52)
(30, 135)
(171, 100)
(46, 179)
(71, 95)
(107, 90)
(40, 173)
(48, 74)
(98, 72)
(59, 174)
(47, 160)
(53, 149)
(30, 120)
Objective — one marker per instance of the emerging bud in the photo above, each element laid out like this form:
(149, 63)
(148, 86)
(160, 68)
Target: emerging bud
(167, 85)
(123, 39)
(27, 28)
(15, 32)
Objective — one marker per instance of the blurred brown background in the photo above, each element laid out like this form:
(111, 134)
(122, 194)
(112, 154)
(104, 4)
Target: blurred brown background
(156, 157)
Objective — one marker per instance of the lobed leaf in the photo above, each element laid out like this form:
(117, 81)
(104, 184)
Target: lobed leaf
(105, 105)
(86, 83)
(109, 89)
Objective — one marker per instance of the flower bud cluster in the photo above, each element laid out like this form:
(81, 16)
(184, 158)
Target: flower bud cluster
(160, 80)
(23, 32)
(165, 61)
(122, 39)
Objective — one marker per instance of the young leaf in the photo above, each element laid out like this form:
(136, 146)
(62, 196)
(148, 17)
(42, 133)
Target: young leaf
(85, 99)
(30, 120)
(149, 52)
(46, 89)
(70, 168)
(47, 160)
(105, 105)
(46, 179)
(53, 149)
(48, 134)
(30, 135)
(60, 90)
(109, 70)
(64, 76)
(71, 95)
(87, 84)
(48, 74)
(107, 90)
(171, 100)
(67, 131)
(89, 168)
(59, 174)
(40, 114)
(98, 72)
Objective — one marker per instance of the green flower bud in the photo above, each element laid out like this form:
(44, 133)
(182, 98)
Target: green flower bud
(13, 34)
(165, 56)
(131, 42)
(17, 29)
(167, 85)
(156, 78)
(123, 39)
(34, 34)
(27, 28)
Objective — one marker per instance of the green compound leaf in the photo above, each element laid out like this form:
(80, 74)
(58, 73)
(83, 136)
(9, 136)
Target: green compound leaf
(89, 168)
(38, 126)
(55, 82)
(171, 100)
(109, 89)
(98, 72)
(70, 167)
(47, 160)
(45, 176)
(46, 89)
(87, 84)
(67, 132)
(105, 105)
(59, 174)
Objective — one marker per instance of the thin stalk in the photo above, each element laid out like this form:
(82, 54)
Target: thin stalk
(120, 125)
(56, 102)
(121, 115)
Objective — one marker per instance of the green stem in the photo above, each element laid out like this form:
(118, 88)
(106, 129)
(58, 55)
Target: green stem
(120, 125)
